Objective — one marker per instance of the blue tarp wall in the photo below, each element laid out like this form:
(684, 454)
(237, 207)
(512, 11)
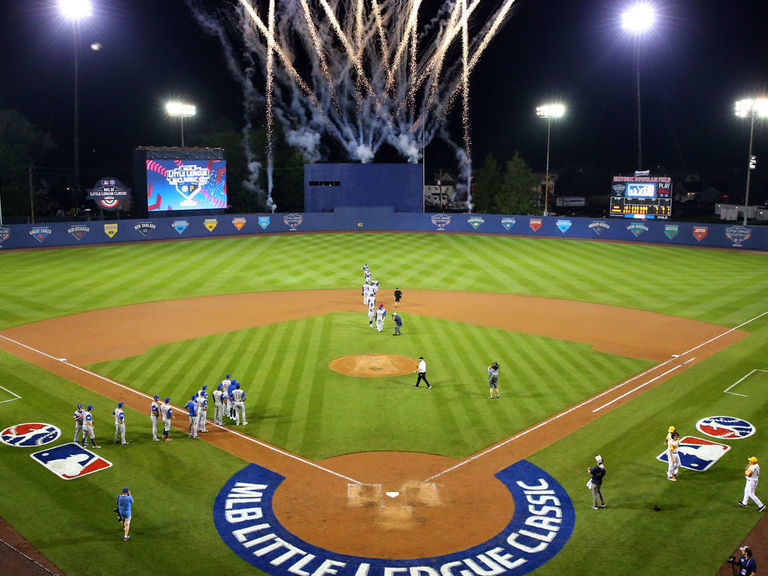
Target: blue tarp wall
(330, 186)
(347, 220)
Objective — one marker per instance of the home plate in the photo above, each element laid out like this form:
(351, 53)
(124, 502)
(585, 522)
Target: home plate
(392, 494)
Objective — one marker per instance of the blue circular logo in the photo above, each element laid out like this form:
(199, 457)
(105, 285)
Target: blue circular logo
(29, 435)
(725, 427)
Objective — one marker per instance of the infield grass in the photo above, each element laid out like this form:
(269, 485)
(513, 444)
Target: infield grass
(175, 483)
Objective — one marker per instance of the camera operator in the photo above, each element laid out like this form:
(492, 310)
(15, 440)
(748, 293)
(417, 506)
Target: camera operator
(747, 562)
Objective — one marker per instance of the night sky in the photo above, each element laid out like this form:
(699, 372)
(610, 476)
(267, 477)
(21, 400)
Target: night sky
(701, 57)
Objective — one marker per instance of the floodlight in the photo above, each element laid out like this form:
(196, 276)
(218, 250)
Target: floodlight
(75, 9)
(180, 109)
(639, 18)
(550, 110)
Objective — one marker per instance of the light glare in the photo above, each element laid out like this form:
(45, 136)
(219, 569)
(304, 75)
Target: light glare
(75, 9)
(180, 109)
(639, 18)
(550, 110)
(744, 108)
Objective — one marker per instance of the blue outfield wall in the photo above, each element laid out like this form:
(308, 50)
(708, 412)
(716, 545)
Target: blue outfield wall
(16, 236)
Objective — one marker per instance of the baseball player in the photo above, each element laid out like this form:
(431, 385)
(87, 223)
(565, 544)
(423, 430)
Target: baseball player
(119, 424)
(218, 405)
(375, 287)
(191, 407)
(670, 430)
(88, 428)
(202, 409)
(752, 475)
(226, 384)
(154, 416)
(366, 274)
(166, 411)
(78, 418)
(422, 370)
(673, 456)
(371, 310)
(366, 292)
(493, 381)
(381, 314)
(238, 400)
(398, 323)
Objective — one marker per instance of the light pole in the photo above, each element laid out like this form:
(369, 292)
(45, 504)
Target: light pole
(75, 11)
(637, 20)
(180, 110)
(752, 108)
(549, 111)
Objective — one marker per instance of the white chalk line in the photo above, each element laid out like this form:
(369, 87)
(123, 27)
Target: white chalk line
(148, 397)
(17, 397)
(739, 381)
(592, 399)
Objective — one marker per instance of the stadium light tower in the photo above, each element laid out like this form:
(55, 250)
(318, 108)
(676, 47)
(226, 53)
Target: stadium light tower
(752, 108)
(549, 111)
(638, 20)
(75, 11)
(180, 110)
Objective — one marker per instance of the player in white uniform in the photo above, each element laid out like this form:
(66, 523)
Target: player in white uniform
(673, 456)
(381, 313)
(375, 287)
(371, 310)
(366, 292)
(154, 416)
(202, 409)
(218, 405)
(119, 424)
(752, 475)
(238, 400)
(88, 428)
(226, 384)
(166, 411)
(78, 418)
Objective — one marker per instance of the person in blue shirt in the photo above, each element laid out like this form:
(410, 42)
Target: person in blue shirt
(398, 323)
(191, 407)
(596, 482)
(124, 504)
(747, 562)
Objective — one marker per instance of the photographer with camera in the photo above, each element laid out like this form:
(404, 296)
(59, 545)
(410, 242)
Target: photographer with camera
(744, 566)
(124, 504)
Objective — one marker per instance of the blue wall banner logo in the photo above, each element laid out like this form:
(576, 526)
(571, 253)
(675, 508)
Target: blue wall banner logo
(5, 233)
(542, 524)
(535, 224)
(475, 221)
(738, 234)
(264, 222)
(564, 225)
(145, 227)
(637, 229)
(598, 227)
(180, 225)
(293, 221)
(697, 453)
(29, 434)
(508, 223)
(210, 224)
(40, 233)
(239, 222)
(110, 230)
(441, 220)
(79, 231)
(725, 427)
(671, 230)
(70, 461)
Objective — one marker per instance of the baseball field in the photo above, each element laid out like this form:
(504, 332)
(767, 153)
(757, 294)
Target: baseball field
(602, 347)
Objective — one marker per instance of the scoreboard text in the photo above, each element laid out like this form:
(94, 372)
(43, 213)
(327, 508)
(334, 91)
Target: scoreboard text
(644, 197)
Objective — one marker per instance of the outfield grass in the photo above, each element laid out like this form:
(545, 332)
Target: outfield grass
(72, 522)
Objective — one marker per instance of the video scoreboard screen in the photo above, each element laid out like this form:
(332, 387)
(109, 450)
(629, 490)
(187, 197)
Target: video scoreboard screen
(186, 185)
(643, 197)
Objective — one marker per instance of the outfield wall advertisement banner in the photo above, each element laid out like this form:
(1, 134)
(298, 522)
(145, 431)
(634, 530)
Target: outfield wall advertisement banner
(541, 525)
(196, 226)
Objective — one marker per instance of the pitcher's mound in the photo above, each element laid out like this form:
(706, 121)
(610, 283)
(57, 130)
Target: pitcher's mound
(374, 365)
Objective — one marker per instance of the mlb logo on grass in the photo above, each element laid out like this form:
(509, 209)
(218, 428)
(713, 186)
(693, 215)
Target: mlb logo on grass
(70, 461)
(697, 454)
(725, 427)
(29, 434)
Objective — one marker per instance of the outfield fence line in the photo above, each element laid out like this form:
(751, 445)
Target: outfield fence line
(593, 398)
(148, 397)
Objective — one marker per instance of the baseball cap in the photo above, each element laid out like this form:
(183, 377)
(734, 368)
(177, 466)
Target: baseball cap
(125, 490)
(753, 459)
(227, 375)
(167, 400)
(205, 387)
(671, 429)
(119, 404)
(421, 357)
(156, 397)
(90, 407)
(79, 406)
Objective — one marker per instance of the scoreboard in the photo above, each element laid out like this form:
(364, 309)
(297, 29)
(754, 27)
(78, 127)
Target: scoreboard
(644, 197)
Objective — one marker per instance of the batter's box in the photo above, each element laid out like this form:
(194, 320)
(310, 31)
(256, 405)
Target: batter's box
(421, 494)
(756, 377)
(364, 494)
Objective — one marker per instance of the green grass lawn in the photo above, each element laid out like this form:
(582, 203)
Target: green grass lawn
(72, 521)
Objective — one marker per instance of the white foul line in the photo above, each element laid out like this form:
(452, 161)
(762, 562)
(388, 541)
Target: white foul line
(11, 393)
(739, 381)
(141, 394)
(590, 400)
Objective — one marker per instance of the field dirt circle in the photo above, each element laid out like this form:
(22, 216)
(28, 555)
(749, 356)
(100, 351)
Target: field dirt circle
(373, 365)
